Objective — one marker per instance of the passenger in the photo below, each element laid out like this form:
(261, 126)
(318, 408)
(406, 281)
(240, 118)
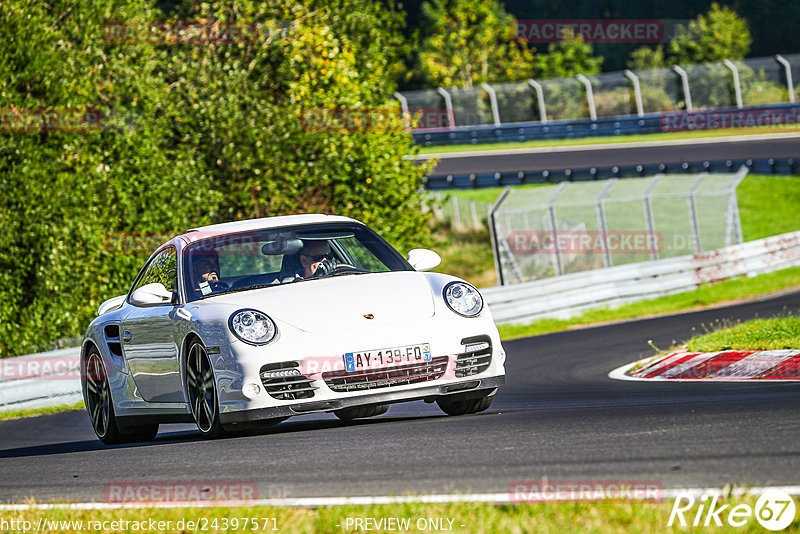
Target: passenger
(206, 273)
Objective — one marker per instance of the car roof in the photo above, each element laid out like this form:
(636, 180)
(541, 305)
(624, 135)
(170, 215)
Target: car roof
(202, 232)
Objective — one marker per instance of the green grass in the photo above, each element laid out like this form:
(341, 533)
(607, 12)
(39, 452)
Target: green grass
(15, 414)
(702, 297)
(466, 255)
(610, 516)
(606, 140)
(768, 205)
(760, 334)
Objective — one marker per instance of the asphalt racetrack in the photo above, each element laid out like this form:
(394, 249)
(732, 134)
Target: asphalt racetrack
(559, 416)
(649, 153)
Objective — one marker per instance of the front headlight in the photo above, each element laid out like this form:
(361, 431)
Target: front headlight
(463, 299)
(252, 326)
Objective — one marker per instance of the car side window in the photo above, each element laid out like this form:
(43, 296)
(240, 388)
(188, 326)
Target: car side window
(163, 268)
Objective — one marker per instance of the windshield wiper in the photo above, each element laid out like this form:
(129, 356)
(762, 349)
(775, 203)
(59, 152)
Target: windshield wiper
(343, 273)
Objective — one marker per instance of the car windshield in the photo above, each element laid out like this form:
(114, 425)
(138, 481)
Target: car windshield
(263, 258)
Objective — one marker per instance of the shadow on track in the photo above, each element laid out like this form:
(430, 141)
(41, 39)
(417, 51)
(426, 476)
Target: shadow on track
(166, 438)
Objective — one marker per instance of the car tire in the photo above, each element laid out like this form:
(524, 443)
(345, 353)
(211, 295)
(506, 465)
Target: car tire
(361, 412)
(100, 406)
(459, 405)
(201, 391)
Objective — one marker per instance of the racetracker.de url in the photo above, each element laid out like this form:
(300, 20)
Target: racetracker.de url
(201, 524)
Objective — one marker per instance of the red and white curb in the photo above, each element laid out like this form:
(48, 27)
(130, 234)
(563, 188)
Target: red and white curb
(730, 365)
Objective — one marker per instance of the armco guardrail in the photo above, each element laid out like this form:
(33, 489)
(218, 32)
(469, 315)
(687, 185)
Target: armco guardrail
(783, 166)
(774, 115)
(568, 295)
(40, 380)
(754, 92)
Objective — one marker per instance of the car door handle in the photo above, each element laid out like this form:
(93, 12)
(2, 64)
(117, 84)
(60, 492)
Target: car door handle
(127, 336)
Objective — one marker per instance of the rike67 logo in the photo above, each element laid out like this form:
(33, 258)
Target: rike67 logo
(774, 510)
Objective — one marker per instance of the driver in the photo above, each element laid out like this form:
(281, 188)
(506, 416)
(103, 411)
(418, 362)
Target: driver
(316, 258)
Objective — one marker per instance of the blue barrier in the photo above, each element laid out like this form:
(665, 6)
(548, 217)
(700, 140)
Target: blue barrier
(474, 181)
(607, 126)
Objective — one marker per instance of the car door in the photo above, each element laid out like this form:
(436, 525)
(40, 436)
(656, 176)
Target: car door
(149, 335)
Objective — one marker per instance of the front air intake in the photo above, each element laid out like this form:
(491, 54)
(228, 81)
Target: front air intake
(342, 381)
(476, 358)
(283, 381)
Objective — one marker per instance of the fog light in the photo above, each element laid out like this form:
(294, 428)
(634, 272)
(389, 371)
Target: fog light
(475, 347)
(251, 391)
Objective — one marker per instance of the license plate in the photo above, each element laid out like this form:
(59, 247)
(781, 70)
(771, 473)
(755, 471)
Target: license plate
(389, 357)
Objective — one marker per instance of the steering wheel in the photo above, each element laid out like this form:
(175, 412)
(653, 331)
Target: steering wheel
(342, 267)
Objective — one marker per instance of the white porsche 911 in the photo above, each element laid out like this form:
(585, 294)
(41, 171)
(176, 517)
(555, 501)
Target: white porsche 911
(253, 322)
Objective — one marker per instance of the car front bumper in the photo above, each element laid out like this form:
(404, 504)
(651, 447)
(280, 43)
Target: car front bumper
(428, 391)
(238, 366)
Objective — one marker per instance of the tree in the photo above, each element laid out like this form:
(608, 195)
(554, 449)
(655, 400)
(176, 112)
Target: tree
(190, 134)
(569, 57)
(644, 58)
(79, 191)
(719, 34)
(303, 119)
(466, 43)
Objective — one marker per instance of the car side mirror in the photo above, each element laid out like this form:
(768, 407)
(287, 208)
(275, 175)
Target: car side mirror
(151, 295)
(110, 305)
(423, 259)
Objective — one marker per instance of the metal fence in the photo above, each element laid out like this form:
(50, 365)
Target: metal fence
(553, 230)
(725, 84)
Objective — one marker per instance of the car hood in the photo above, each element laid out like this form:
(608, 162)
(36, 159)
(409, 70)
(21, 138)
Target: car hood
(341, 302)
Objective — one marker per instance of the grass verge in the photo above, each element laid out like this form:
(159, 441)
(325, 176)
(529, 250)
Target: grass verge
(615, 516)
(759, 334)
(15, 414)
(703, 297)
(607, 140)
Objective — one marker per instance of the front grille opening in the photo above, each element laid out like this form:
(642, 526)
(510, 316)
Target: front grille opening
(476, 358)
(283, 381)
(342, 381)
